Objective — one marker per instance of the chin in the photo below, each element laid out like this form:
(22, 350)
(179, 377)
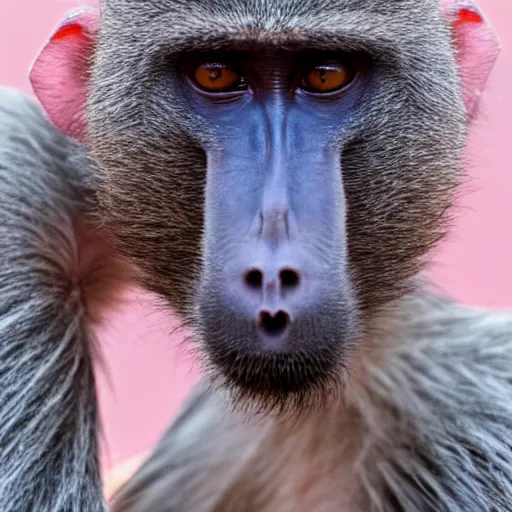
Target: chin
(288, 374)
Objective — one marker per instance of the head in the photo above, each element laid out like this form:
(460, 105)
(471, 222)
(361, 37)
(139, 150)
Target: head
(277, 171)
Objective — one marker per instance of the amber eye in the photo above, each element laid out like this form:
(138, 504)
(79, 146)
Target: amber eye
(328, 78)
(216, 77)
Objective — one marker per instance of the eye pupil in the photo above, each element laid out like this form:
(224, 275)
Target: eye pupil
(328, 78)
(216, 78)
(215, 74)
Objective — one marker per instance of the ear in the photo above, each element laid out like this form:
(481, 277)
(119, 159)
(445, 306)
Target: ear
(59, 75)
(477, 48)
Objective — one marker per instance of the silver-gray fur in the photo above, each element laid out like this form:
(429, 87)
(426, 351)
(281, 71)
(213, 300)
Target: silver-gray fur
(48, 410)
(425, 426)
(425, 421)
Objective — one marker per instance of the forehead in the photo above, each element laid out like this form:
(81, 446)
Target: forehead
(264, 9)
(175, 23)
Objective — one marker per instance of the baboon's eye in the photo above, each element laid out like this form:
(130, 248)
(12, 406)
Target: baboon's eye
(214, 77)
(328, 78)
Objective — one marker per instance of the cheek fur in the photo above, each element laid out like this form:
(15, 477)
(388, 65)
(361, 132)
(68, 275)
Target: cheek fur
(155, 211)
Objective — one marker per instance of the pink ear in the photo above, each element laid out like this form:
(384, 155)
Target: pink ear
(477, 48)
(59, 75)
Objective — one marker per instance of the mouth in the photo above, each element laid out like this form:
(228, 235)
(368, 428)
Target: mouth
(285, 366)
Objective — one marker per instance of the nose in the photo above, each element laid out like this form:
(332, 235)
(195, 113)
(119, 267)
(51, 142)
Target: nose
(275, 288)
(272, 278)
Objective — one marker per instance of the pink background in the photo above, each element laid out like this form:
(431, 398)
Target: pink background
(149, 371)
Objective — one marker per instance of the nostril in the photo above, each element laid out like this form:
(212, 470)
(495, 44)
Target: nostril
(289, 278)
(254, 279)
(274, 324)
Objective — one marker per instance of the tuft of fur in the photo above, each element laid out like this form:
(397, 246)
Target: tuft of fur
(425, 425)
(48, 299)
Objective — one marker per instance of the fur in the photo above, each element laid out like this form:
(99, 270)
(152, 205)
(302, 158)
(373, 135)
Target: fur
(425, 425)
(424, 420)
(399, 183)
(48, 279)
(400, 160)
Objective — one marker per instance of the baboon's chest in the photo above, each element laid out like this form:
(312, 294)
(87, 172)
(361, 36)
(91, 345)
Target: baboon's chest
(309, 470)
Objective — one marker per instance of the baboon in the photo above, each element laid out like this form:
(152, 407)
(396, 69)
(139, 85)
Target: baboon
(277, 172)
